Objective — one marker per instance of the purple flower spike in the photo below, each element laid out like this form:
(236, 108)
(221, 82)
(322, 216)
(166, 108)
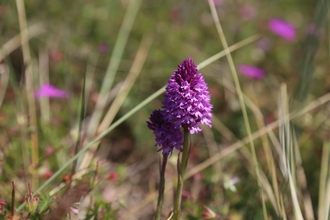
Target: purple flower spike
(252, 71)
(283, 29)
(187, 101)
(48, 90)
(167, 136)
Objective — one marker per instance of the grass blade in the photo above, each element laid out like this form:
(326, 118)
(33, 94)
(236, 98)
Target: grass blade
(241, 99)
(117, 53)
(310, 48)
(323, 209)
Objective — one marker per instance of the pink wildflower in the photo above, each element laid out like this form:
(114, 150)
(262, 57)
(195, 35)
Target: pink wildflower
(218, 2)
(113, 176)
(48, 174)
(48, 90)
(247, 12)
(264, 44)
(103, 48)
(49, 150)
(56, 56)
(252, 71)
(283, 29)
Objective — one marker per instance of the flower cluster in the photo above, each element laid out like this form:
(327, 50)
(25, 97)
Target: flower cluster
(167, 135)
(186, 103)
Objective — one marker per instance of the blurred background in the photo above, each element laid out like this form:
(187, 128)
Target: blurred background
(130, 48)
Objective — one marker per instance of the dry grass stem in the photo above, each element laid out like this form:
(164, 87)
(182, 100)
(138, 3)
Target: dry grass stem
(29, 92)
(234, 147)
(117, 53)
(240, 97)
(122, 94)
(44, 79)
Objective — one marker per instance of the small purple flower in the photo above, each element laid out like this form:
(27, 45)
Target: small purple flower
(218, 2)
(48, 90)
(103, 48)
(264, 44)
(252, 71)
(313, 30)
(167, 135)
(187, 101)
(282, 28)
(247, 12)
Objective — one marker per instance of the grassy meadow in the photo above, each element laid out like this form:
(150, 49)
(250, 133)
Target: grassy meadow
(79, 80)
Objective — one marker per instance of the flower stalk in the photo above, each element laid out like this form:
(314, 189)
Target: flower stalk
(161, 186)
(186, 106)
(181, 172)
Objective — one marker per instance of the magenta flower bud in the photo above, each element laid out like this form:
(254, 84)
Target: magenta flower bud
(187, 100)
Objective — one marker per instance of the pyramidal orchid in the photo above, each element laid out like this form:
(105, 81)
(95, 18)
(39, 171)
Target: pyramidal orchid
(186, 106)
(167, 137)
(187, 101)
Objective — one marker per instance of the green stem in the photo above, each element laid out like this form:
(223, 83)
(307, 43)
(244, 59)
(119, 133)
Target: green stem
(161, 187)
(181, 171)
(13, 199)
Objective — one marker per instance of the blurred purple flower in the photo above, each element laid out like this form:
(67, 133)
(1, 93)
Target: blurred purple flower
(218, 2)
(187, 101)
(264, 44)
(103, 47)
(252, 71)
(282, 28)
(247, 12)
(49, 150)
(48, 90)
(167, 136)
(312, 29)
